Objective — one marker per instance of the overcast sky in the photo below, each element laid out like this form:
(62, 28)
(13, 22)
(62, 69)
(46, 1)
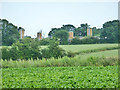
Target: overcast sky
(34, 16)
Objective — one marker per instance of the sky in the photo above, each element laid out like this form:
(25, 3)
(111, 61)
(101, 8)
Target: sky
(34, 16)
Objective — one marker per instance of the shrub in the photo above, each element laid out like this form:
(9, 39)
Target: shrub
(44, 41)
(89, 40)
(76, 41)
(85, 40)
(24, 49)
(45, 53)
(5, 53)
(14, 53)
(53, 50)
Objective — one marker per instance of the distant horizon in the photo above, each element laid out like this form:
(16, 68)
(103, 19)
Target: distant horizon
(36, 16)
(55, 27)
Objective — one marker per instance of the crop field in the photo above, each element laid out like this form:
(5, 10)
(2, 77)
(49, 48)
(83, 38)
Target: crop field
(107, 53)
(78, 48)
(85, 70)
(59, 77)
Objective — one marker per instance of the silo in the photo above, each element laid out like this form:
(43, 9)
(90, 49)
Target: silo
(39, 35)
(21, 32)
(89, 31)
(70, 34)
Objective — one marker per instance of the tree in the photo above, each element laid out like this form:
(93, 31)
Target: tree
(75, 41)
(81, 31)
(96, 32)
(85, 40)
(10, 33)
(52, 32)
(53, 50)
(62, 36)
(24, 49)
(84, 29)
(89, 40)
(45, 41)
(68, 27)
(110, 31)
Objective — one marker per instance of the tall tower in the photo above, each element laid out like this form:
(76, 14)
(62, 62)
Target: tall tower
(70, 34)
(21, 32)
(39, 35)
(89, 31)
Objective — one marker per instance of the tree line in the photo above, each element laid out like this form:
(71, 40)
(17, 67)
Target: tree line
(107, 34)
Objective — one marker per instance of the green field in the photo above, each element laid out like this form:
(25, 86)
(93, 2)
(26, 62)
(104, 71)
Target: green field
(83, 47)
(85, 70)
(78, 48)
(59, 77)
(107, 53)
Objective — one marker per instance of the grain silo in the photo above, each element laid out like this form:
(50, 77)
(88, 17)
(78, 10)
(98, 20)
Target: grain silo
(70, 34)
(21, 32)
(89, 31)
(39, 35)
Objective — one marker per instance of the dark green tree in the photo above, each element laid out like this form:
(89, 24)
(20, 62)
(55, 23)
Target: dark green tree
(81, 31)
(62, 36)
(53, 50)
(76, 41)
(10, 33)
(52, 32)
(68, 27)
(96, 32)
(110, 31)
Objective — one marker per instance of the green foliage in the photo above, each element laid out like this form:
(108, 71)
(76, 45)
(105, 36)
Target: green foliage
(67, 28)
(76, 41)
(107, 34)
(110, 31)
(71, 54)
(24, 49)
(62, 62)
(29, 48)
(82, 30)
(85, 40)
(61, 77)
(14, 53)
(53, 50)
(62, 36)
(5, 53)
(45, 41)
(89, 40)
(96, 32)
(10, 33)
